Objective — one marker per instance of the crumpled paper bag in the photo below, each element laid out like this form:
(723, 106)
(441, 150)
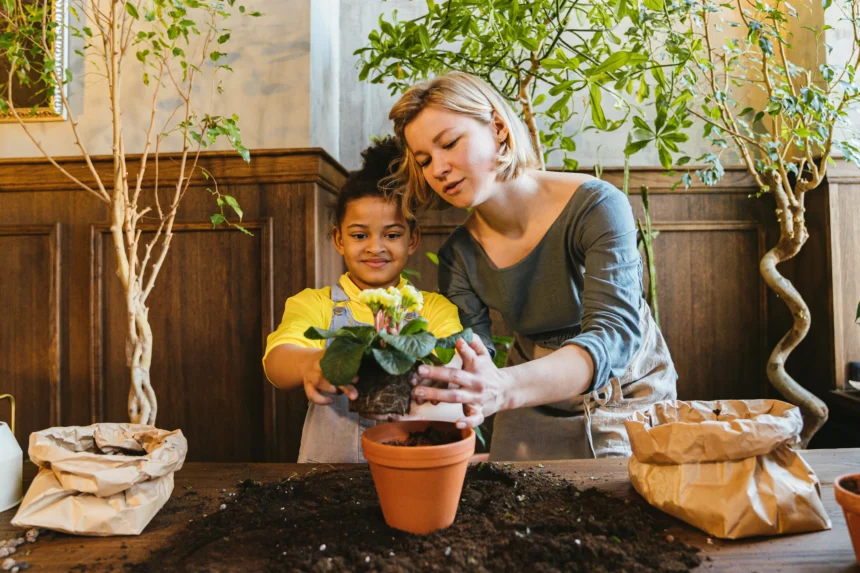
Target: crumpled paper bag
(726, 467)
(104, 479)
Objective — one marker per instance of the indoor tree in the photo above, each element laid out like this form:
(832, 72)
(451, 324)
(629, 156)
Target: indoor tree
(784, 120)
(171, 46)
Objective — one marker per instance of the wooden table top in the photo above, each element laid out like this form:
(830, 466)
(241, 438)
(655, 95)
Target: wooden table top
(825, 551)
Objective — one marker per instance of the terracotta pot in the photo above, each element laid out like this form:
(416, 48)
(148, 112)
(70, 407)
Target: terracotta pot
(850, 503)
(419, 487)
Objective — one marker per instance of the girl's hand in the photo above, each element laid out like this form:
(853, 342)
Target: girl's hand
(316, 386)
(479, 386)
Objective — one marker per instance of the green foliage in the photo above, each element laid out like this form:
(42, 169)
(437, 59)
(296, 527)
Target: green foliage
(660, 74)
(395, 353)
(560, 58)
(805, 115)
(503, 347)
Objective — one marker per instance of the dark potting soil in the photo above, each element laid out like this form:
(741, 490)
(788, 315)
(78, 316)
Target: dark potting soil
(507, 521)
(851, 484)
(429, 437)
(380, 392)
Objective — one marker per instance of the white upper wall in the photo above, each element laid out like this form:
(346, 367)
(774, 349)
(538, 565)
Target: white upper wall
(325, 70)
(269, 90)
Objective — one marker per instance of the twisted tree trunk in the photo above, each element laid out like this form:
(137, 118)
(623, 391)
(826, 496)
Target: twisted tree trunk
(793, 235)
(142, 404)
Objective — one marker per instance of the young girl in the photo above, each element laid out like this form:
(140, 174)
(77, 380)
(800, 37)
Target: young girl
(555, 254)
(375, 240)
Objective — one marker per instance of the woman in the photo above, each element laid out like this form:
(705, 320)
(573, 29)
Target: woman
(556, 255)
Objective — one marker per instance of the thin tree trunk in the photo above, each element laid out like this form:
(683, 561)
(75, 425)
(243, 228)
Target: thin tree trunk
(814, 411)
(142, 404)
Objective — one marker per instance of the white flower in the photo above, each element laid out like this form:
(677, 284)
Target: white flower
(413, 300)
(378, 299)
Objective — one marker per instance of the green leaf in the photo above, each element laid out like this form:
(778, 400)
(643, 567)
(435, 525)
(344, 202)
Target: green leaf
(433, 257)
(529, 44)
(392, 360)
(364, 334)
(451, 341)
(314, 333)
(342, 360)
(655, 5)
(445, 355)
(417, 324)
(416, 345)
(612, 63)
(217, 219)
(635, 146)
(596, 98)
(234, 204)
(857, 318)
(132, 11)
(223, 38)
(665, 157)
(424, 38)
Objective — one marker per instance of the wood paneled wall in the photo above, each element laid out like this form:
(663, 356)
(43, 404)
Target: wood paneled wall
(219, 294)
(222, 292)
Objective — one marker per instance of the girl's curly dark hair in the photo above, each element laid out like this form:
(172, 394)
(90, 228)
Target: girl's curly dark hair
(379, 161)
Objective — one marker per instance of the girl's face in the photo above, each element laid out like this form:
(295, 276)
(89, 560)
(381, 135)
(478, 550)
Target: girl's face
(456, 153)
(375, 242)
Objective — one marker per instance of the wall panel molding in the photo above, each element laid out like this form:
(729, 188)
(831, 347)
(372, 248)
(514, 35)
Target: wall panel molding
(52, 234)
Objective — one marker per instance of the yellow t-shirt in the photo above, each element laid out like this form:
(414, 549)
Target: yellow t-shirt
(313, 307)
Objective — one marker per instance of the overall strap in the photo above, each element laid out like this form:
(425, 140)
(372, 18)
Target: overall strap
(338, 294)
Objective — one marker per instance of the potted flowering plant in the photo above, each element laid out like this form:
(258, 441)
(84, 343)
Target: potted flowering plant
(386, 355)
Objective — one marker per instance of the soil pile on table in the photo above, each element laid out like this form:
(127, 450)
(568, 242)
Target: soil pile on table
(508, 520)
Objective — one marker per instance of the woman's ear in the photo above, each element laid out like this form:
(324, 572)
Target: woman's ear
(337, 239)
(500, 128)
(414, 239)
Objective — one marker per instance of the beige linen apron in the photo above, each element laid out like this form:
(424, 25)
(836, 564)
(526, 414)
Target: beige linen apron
(590, 425)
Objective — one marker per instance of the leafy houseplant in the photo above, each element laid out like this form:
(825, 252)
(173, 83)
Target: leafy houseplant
(384, 356)
(176, 45)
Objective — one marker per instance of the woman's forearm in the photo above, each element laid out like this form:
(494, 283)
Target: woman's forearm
(287, 364)
(561, 375)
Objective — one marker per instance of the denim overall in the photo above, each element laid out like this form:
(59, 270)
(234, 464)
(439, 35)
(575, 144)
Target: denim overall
(332, 434)
(591, 425)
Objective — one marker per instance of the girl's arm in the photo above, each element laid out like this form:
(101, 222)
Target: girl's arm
(289, 366)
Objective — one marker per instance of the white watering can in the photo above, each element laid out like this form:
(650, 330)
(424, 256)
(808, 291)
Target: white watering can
(11, 463)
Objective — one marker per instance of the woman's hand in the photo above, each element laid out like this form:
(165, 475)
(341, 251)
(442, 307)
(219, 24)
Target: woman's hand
(479, 386)
(316, 386)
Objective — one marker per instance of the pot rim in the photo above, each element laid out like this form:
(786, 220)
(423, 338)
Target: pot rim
(443, 454)
(847, 499)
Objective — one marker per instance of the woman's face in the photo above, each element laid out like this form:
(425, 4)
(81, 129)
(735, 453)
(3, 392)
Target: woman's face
(456, 153)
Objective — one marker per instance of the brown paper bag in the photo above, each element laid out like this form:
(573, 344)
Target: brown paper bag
(726, 467)
(104, 479)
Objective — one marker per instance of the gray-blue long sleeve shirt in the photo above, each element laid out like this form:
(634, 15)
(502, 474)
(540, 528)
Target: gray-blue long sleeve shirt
(581, 284)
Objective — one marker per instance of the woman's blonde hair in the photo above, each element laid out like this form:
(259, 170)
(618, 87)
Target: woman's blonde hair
(471, 96)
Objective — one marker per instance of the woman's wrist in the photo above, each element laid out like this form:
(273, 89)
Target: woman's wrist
(511, 392)
(562, 375)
